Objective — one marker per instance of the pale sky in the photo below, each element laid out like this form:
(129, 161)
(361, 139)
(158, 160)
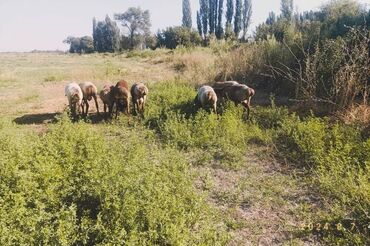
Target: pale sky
(26, 25)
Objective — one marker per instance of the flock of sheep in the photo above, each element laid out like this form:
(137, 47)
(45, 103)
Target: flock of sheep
(120, 95)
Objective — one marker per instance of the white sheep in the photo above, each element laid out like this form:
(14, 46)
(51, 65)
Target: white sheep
(75, 96)
(139, 93)
(207, 97)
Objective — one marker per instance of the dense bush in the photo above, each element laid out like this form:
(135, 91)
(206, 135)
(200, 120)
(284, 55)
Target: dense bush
(73, 185)
(339, 162)
(175, 36)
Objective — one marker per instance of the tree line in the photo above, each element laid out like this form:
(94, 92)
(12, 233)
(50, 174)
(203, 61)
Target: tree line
(107, 36)
(215, 19)
(135, 28)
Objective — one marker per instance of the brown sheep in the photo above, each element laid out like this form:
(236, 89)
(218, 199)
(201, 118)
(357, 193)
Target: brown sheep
(207, 97)
(139, 93)
(239, 94)
(89, 91)
(219, 87)
(122, 94)
(106, 95)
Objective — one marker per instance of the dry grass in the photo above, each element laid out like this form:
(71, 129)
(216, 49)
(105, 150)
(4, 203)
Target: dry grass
(34, 82)
(357, 114)
(196, 66)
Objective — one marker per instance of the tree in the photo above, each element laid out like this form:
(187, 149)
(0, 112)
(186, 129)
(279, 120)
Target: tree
(271, 19)
(179, 35)
(212, 24)
(238, 17)
(80, 45)
(219, 29)
(287, 9)
(204, 12)
(136, 21)
(106, 36)
(74, 44)
(247, 14)
(199, 23)
(229, 18)
(229, 11)
(112, 33)
(186, 14)
(94, 33)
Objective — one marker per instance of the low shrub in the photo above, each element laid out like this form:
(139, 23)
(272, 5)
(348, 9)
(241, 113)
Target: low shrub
(73, 185)
(339, 162)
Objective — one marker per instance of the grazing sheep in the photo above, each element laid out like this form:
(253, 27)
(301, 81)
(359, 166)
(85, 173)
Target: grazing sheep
(122, 94)
(207, 97)
(239, 94)
(219, 87)
(89, 91)
(75, 96)
(139, 93)
(106, 95)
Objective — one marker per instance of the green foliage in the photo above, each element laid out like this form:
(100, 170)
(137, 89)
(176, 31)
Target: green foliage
(340, 163)
(247, 15)
(175, 36)
(106, 35)
(80, 45)
(136, 21)
(229, 11)
(73, 185)
(204, 15)
(199, 24)
(238, 17)
(222, 137)
(186, 14)
(287, 9)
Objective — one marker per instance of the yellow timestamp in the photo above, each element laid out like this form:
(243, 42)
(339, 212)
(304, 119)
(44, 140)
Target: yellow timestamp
(337, 227)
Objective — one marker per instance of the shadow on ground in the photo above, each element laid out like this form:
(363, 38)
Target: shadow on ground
(30, 119)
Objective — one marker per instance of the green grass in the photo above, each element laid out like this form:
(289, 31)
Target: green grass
(180, 176)
(75, 185)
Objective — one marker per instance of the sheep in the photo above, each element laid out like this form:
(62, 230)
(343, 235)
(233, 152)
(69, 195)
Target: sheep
(106, 95)
(206, 97)
(219, 87)
(139, 93)
(239, 94)
(89, 91)
(122, 94)
(75, 96)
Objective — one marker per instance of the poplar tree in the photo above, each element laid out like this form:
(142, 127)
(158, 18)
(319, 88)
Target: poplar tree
(211, 16)
(186, 14)
(247, 14)
(204, 9)
(286, 7)
(199, 24)
(219, 29)
(229, 17)
(238, 17)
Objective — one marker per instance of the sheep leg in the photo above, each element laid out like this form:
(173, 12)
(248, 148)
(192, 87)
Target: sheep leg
(105, 108)
(110, 109)
(117, 108)
(134, 106)
(83, 107)
(246, 105)
(87, 108)
(128, 107)
(96, 104)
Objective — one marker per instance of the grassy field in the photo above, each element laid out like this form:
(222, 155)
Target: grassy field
(177, 177)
